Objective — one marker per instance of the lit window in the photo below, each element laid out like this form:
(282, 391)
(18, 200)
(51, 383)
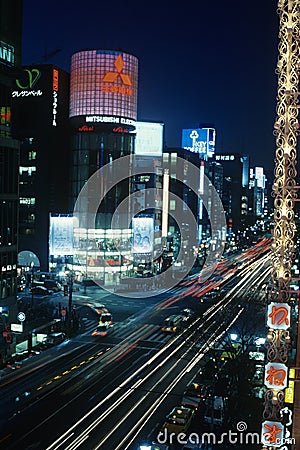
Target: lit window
(27, 170)
(32, 155)
(27, 201)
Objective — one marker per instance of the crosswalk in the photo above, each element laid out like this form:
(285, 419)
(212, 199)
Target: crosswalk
(148, 332)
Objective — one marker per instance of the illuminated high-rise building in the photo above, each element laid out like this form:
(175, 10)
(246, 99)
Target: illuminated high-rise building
(233, 191)
(10, 58)
(40, 100)
(103, 113)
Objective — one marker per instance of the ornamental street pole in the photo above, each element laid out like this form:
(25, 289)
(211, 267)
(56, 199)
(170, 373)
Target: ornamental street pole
(279, 426)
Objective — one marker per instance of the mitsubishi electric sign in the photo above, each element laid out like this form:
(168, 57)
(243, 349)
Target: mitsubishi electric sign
(103, 83)
(199, 140)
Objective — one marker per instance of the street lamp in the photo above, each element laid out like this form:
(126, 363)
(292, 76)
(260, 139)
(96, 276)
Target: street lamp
(233, 336)
(31, 283)
(259, 342)
(71, 312)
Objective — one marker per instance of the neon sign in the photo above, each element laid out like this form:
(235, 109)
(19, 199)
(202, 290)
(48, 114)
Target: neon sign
(276, 376)
(7, 53)
(110, 119)
(279, 316)
(120, 130)
(33, 76)
(272, 433)
(55, 95)
(27, 93)
(86, 128)
(111, 77)
(28, 82)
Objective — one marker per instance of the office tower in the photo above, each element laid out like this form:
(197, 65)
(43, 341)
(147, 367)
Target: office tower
(103, 113)
(176, 181)
(10, 58)
(40, 101)
(233, 190)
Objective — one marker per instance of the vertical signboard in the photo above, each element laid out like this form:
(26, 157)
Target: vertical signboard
(143, 228)
(61, 236)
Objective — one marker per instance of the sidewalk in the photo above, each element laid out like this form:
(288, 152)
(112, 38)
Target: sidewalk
(35, 362)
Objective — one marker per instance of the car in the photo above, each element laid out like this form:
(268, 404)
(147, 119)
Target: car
(187, 314)
(193, 444)
(215, 410)
(52, 285)
(21, 397)
(102, 329)
(103, 313)
(153, 446)
(19, 357)
(14, 365)
(179, 420)
(90, 282)
(40, 290)
(96, 306)
(54, 339)
(194, 395)
(172, 324)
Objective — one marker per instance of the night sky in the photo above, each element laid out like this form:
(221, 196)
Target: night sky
(201, 62)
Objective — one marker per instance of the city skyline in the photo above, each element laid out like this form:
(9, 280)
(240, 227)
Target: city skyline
(230, 52)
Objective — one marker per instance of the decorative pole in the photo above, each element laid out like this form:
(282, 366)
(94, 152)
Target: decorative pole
(277, 425)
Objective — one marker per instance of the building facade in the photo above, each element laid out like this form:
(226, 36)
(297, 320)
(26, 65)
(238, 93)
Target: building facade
(40, 101)
(10, 58)
(234, 195)
(103, 114)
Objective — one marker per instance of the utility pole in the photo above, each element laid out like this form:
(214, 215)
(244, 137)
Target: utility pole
(70, 301)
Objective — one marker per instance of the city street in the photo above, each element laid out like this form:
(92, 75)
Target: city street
(118, 389)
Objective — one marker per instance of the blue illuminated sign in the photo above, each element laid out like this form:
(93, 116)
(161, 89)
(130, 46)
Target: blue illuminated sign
(199, 140)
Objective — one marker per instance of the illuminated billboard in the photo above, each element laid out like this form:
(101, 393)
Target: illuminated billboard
(199, 140)
(61, 241)
(103, 83)
(259, 176)
(149, 139)
(142, 234)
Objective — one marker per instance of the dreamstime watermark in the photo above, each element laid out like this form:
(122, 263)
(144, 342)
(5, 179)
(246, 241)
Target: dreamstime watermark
(116, 175)
(240, 436)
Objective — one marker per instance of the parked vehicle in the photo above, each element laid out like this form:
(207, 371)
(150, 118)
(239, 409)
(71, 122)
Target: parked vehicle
(54, 339)
(52, 285)
(179, 420)
(153, 446)
(40, 290)
(215, 410)
(194, 395)
(193, 444)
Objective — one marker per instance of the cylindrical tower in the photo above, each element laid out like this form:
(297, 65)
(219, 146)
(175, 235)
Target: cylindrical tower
(103, 113)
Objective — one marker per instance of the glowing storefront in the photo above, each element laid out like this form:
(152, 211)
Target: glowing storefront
(103, 113)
